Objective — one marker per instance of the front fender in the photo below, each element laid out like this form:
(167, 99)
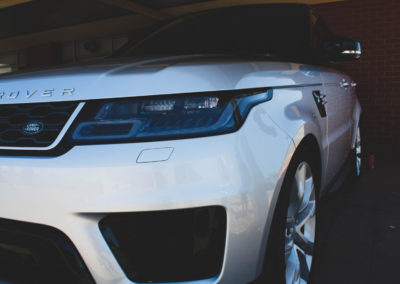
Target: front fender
(294, 112)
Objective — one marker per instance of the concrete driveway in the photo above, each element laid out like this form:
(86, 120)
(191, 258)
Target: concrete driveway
(359, 231)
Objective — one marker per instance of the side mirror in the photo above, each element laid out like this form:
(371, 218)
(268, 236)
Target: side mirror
(341, 49)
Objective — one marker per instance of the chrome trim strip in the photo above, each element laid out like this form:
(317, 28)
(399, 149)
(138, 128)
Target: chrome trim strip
(58, 139)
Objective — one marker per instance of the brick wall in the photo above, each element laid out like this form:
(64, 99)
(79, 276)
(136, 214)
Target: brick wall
(40, 55)
(376, 24)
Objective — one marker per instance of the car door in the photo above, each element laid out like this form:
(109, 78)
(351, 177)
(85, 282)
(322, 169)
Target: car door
(336, 102)
(338, 107)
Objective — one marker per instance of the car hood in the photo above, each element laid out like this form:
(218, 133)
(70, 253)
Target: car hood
(151, 76)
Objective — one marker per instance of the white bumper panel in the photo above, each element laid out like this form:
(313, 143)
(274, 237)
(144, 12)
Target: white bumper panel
(238, 171)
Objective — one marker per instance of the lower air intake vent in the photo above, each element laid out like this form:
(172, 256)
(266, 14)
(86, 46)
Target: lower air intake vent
(168, 246)
(33, 125)
(32, 253)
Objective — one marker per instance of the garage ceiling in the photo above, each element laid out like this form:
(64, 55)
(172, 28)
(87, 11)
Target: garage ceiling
(41, 15)
(9, 3)
(33, 22)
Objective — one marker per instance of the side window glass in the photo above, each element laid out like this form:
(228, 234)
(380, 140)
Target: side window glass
(320, 33)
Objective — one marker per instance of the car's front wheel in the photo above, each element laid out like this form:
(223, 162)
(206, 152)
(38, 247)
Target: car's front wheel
(291, 243)
(300, 226)
(357, 152)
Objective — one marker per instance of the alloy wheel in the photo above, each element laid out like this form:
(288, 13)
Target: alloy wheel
(300, 226)
(358, 152)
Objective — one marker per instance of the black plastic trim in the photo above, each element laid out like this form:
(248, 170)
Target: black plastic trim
(33, 253)
(168, 246)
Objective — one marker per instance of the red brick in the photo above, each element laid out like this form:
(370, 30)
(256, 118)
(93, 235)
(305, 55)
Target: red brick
(376, 24)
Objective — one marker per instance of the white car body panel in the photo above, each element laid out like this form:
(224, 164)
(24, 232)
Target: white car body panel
(340, 124)
(241, 171)
(176, 75)
(235, 171)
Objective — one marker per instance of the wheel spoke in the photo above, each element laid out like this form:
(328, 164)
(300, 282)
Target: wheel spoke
(306, 245)
(293, 267)
(297, 192)
(289, 243)
(305, 229)
(308, 193)
(297, 267)
(305, 215)
(301, 177)
(304, 268)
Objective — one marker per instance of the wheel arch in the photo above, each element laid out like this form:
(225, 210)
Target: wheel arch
(308, 142)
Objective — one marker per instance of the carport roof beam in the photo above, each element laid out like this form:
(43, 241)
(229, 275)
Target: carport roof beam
(213, 4)
(139, 9)
(9, 3)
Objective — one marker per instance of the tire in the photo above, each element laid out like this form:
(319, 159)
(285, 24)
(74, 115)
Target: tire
(357, 162)
(291, 242)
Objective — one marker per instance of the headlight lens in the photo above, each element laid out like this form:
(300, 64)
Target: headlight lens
(166, 117)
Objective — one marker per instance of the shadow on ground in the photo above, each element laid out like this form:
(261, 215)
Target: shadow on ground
(359, 231)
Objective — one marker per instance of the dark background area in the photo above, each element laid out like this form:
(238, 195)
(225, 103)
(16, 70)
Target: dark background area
(41, 15)
(376, 24)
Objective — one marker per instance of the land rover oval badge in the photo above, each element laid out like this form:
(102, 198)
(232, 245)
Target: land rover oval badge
(33, 127)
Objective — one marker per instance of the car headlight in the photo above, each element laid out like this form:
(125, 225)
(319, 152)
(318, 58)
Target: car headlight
(166, 117)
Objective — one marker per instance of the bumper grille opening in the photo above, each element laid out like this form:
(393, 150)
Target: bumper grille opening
(168, 246)
(33, 125)
(31, 253)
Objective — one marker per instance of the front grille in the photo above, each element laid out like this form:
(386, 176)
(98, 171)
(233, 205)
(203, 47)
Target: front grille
(33, 253)
(33, 125)
(168, 246)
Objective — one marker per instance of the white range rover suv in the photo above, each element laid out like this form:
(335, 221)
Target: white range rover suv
(197, 154)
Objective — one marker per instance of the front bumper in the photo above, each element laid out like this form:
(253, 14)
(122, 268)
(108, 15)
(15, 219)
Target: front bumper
(73, 192)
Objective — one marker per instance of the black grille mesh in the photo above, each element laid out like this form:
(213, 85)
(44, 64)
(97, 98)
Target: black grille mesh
(51, 117)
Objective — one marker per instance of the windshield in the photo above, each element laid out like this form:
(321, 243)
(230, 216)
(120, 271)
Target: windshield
(280, 31)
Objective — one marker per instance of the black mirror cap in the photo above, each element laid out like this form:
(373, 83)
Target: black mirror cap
(341, 49)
